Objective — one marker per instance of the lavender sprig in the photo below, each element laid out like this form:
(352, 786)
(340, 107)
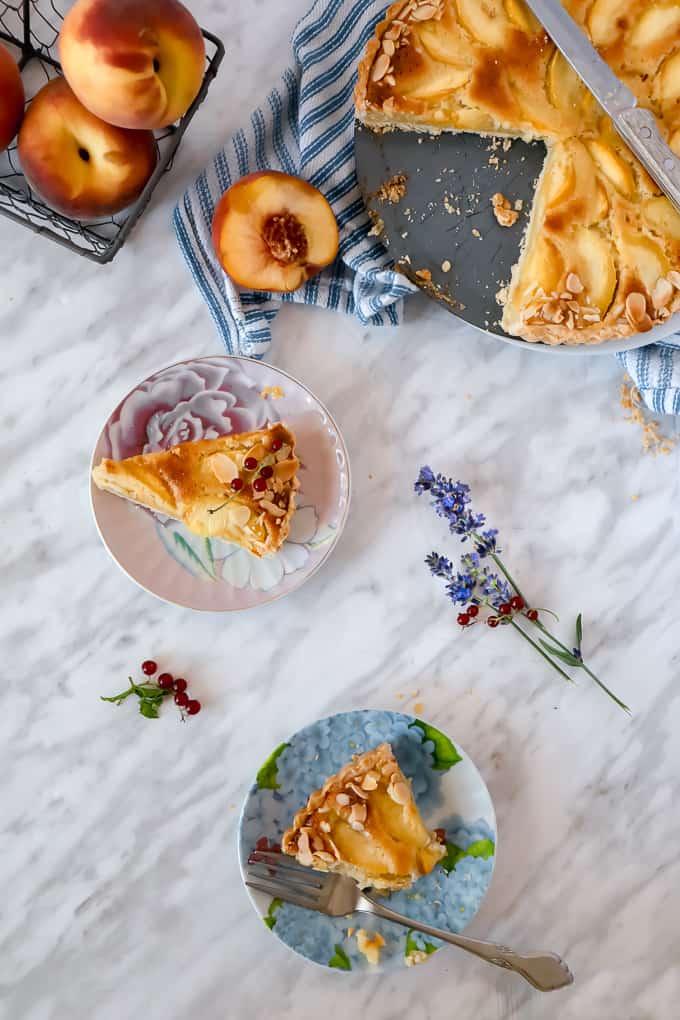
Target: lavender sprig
(477, 587)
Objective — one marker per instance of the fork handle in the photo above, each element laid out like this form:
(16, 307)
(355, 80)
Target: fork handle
(545, 971)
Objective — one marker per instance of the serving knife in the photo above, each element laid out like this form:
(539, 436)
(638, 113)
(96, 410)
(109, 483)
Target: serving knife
(636, 125)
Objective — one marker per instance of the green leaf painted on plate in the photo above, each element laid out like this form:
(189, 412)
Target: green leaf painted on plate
(340, 959)
(268, 775)
(483, 848)
(209, 555)
(188, 553)
(415, 943)
(445, 755)
(270, 919)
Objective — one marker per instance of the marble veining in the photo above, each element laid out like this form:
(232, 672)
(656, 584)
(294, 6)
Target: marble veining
(121, 888)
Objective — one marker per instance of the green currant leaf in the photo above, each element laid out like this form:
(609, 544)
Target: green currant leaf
(416, 944)
(483, 848)
(149, 709)
(268, 774)
(444, 755)
(340, 959)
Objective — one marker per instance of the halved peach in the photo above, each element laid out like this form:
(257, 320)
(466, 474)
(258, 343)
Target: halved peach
(272, 231)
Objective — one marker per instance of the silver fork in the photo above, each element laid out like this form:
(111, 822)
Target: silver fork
(280, 876)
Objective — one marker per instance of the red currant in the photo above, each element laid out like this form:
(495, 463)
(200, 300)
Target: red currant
(180, 684)
(182, 699)
(165, 681)
(267, 471)
(262, 843)
(463, 619)
(472, 610)
(250, 463)
(149, 667)
(505, 609)
(276, 445)
(259, 485)
(493, 621)
(237, 484)
(532, 615)
(193, 707)
(516, 603)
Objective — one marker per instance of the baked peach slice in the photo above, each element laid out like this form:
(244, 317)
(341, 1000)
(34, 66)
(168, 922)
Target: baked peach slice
(272, 231)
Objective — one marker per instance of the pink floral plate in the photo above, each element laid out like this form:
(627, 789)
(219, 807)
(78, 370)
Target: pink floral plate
(201, 399)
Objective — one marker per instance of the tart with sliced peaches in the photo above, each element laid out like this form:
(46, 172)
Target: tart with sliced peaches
(272, 231)
(240, 488)
(601, 256)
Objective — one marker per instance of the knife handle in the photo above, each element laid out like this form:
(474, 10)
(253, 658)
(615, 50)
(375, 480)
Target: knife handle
(638, 128)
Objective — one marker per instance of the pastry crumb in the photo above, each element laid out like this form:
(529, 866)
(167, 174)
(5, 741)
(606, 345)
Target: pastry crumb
(507, 144)
(519, 204)
(653, 440)
(377, 224)
(370, 944)
(424, 274)
(505, 215)
(419, 708)
(635, 497)
(446, 266)
(502, 295)
(350, 932)
(275, 392)
(392, 190)
(475, 232)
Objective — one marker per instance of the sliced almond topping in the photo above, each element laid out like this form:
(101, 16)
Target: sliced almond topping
(357, 791)
(358, 813)
(223, 467)
(342, 799)
(272, 508)
(390, 80)
(324, 826)
(399, 792)
(662, 293)
(388, 47)
(589, 317)
(424, 12)
(573, 283)
(392, 32)
(636, 308)
(370, 781)
(317, 843)
(324, 856)
(283, 453)
(285, 470)
(674, 278)
(238, 515)
(380, 68)
(258, 451)
(304, 852)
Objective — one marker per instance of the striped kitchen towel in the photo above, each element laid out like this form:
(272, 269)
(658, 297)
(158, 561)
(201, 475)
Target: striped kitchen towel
(306, 127)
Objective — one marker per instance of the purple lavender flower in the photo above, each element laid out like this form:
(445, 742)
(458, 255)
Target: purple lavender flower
(439, 566)
(486, 542)
(450, 500)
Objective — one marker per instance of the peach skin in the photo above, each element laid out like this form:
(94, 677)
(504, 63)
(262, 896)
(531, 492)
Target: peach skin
(82, 166)
(11, 98)
(273, 232)
(134, 63)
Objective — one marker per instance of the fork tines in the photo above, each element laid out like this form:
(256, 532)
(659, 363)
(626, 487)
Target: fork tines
(278, 875)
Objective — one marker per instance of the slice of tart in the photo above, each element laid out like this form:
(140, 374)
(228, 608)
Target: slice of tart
(364, 823)
(601, 256)
(240, 488)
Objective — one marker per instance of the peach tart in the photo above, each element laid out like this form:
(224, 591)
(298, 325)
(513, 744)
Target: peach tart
(365, 823)
(601, 255)
(240, 488)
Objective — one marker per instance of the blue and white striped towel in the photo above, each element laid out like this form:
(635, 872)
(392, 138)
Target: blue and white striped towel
(306, 128)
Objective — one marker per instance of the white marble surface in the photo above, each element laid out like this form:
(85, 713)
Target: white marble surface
(121, 891)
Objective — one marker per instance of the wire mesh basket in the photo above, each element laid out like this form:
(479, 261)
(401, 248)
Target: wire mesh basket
(32, 27)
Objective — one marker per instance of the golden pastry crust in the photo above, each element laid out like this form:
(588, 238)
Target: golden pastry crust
(364, 823)
(191, 482)
(488, 67)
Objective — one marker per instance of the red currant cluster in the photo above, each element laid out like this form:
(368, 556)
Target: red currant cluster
(266, 472)
(506, 611)
(167, 682)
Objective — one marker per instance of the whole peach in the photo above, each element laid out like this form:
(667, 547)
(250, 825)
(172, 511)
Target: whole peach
(82, 166)
(11, 98)
(134, 63)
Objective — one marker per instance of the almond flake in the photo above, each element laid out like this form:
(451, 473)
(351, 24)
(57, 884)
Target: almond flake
(324, 826)
(573, 283)
(342, 799)
(662, 293)
(272, 508)
(388, 47)
(674, 278)
(380, 68)
(285, 470)
(223, 467)
(399, 792)
(636, 308)
(370, 781)
(424, 12)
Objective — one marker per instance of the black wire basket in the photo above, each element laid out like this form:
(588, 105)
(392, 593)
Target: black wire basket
(32, 26)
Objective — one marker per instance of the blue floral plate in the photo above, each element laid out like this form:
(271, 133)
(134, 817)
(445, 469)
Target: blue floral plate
(201, 399)
(451, 795)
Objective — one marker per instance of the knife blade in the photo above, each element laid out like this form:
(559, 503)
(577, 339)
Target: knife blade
(636, 125)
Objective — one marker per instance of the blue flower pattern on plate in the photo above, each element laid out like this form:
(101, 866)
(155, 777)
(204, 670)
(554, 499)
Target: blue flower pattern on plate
(447, 901)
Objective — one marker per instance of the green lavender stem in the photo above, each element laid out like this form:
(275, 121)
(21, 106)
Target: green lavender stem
(541, 652)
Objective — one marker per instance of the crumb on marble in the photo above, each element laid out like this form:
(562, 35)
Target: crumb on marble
(392, 190)
(377, 224)
(419, 708)
(505, 215)
(475, 232)
(446, 266)
(653, 440)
